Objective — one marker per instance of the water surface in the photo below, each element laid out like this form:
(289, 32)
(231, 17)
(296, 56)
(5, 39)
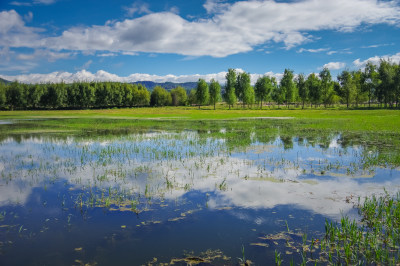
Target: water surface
(158, 195)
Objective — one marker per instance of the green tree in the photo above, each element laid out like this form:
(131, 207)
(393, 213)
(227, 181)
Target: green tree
(35, 93)
(15, 95)
(346, 81)
(370, 80)
(215, 92)
(179, 96)
(141, 96)
(127, 92)
(302, 87)
(387, 87)
(72, 95)
(2, 95)
(242, 84)
(117, 94)
(313, 88)
(359, 95)
(86, 95)
(103, 94)
(230, 96)
(160, 97)
(326, 86)
(192, 97)
(248, 95)
(288, 86)
(202, 93)
(397, 84)
(263, 89)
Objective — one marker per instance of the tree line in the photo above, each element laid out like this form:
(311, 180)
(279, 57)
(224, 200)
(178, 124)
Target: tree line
(372, 85)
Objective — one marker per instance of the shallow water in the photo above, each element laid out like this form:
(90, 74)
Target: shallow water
(155, 195)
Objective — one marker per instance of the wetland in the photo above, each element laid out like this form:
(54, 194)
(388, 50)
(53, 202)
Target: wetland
(100, 191)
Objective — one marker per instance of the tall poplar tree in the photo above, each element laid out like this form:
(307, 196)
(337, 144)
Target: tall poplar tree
(326, 86)
(202, 93)
(263, 89)
(242, 84)
(346, 81)
(313, 86)
(230, 96)
(288, 86)
(215, 92)
(302, 87)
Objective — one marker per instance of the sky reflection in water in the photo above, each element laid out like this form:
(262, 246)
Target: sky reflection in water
(169, 176)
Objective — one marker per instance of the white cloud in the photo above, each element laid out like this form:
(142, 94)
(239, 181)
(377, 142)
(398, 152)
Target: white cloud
(301, 50)
(107, 54)
(215, 6)
(334, 65)
(16, 3)
(35, 2)
(44, 2)
(129, 53)
(87, 64)
(21, 67)
(230, 29)
(377, 45)
(28, 17)
(376, 60)
(14, 33)
(137, 8)
(101, 75)
(49, 55)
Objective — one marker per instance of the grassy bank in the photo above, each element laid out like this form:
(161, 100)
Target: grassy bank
(336, 119)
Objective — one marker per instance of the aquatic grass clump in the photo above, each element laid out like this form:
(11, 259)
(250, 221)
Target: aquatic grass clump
(374, 239)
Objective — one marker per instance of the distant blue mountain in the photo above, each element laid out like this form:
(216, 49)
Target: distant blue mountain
(167, 85)
(4, 81)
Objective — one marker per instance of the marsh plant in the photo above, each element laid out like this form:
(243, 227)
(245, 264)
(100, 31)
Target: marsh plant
(375, 239)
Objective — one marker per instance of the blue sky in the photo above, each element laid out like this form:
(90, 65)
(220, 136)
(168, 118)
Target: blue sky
(54, 40)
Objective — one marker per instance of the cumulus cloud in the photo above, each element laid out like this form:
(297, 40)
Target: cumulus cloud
(101, 75)
(231, 28)
(377, 59)
(14, 33)
(334, 65)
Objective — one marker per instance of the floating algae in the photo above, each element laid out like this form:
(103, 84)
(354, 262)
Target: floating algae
(209, 257)
(260, 244)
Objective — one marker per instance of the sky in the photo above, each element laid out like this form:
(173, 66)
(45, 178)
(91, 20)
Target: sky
(181, 40)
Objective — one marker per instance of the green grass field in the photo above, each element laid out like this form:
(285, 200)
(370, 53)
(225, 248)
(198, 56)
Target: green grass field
(378, 120)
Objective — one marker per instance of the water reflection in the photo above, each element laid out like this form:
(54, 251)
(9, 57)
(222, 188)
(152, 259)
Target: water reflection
(283, 171)
(223, 186)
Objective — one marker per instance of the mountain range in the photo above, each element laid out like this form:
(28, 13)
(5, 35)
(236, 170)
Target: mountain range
(150, 84)
(167, 85)
(4, 81)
